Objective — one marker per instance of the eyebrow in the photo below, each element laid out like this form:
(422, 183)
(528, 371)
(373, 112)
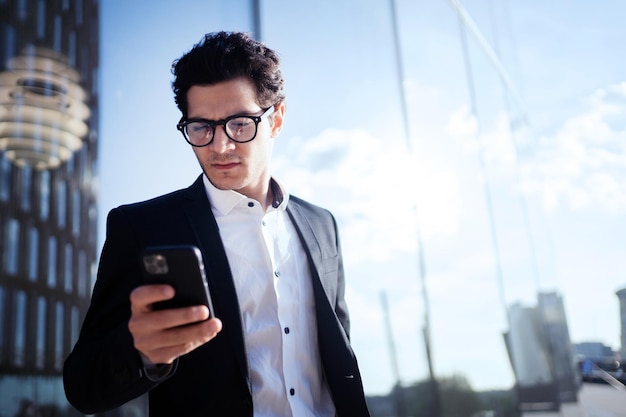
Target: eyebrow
(241, 113)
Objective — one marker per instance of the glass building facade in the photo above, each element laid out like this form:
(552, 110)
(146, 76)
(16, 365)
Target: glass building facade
(48, 215)
(50, 77)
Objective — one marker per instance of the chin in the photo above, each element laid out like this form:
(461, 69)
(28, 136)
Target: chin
(225, 183)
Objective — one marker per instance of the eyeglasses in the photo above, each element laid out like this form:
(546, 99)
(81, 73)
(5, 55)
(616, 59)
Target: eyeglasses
(238, 128)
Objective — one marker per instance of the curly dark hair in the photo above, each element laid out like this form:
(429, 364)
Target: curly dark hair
(223, 56)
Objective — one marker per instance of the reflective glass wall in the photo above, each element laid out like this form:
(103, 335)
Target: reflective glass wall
(49, 72)
(51, 90)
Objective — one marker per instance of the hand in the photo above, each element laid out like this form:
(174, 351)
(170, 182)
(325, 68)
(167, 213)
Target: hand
(158, 335)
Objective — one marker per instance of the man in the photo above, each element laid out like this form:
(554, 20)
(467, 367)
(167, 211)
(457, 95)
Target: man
(279, 342)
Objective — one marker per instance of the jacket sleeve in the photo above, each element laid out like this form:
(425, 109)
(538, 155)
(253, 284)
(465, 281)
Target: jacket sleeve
(341, 308)
(104, 370)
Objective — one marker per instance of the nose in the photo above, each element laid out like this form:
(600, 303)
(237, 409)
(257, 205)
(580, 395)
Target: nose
(221, 143)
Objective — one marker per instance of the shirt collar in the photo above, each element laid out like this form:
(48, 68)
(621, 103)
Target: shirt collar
(225, 200)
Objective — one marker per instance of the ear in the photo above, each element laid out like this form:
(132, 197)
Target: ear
(278, 119)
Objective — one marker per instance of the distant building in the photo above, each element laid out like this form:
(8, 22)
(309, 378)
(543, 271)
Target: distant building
(593, 350)
(48, 155)
(621, 294)
(552, 312)
(541, 353)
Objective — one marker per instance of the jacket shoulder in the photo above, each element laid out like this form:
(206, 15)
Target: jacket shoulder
(307, 206)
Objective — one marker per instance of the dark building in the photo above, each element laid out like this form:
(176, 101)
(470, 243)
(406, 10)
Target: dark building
(541, 354)
(559, 345)
(48, 155)
(594, 350)
(621, 295)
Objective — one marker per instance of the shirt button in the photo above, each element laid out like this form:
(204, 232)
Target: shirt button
(264, 223)
(277, 274)
(250, 204)
(287, 330)
(292, 391)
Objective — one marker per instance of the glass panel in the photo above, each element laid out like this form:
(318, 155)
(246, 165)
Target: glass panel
(92, 223)
(41, 18)
(2, 318)
(5, 185)
(75, 324)
(82, 159)
(61, 203)
(52, 262)
(71, 53)
(79, 12)
(9, 42)
(25, 187)
(94, 91)
(56, 41)
(19, 340)
(11, 243)
(22, 9)
(82, 273)
(58, 336)
(41, 333)
(76, 212)
(93, 275)
(68, 268)
(33, 253)
(44, 192)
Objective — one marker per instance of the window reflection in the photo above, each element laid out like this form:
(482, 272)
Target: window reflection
(33, 253)
(41, 18)
(68, 268)
(82, 273)
(5, 179)
(19, 340)
(75, 324)
(44, 190)
(52, 262)
(58, 336)
(61, 203)
(41, 224)
(25, 191)
(40, 350)
(79, 12)
(76, 212)
(56, 39)
(11, 244)
(2, 321)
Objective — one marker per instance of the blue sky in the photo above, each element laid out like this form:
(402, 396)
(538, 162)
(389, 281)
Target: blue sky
(343, 147)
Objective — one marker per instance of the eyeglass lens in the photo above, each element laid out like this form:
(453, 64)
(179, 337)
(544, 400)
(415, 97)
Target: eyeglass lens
(239, 129)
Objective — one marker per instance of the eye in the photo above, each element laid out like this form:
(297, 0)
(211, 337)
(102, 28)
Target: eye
(197, 127)
(239, 123)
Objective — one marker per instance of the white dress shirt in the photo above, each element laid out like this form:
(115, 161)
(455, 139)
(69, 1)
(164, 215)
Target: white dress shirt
(273, 285)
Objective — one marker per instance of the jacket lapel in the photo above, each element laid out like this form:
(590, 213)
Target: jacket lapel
(219, 276)
(310, 243)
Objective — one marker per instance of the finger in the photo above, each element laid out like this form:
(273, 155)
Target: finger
(173, 317)
(180, 341)
(152, 329)
(142, 297)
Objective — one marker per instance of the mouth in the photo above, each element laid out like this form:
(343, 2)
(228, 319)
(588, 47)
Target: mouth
(222, 166)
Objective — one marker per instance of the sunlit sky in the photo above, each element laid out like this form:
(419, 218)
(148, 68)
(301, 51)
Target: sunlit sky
(556, 175)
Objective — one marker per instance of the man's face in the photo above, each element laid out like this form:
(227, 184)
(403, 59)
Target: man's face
(243, 167)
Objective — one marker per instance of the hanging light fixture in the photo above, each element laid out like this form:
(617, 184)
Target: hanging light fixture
(43, 112)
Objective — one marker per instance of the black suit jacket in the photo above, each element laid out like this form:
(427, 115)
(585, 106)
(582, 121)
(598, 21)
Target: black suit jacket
(104, 370)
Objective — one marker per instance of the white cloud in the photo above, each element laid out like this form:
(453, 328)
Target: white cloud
(371, 186)
(583, 165)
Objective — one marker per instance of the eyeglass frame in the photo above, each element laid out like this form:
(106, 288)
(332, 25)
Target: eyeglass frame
(182, 124)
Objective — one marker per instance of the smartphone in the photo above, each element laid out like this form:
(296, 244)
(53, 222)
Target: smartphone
(181, 267)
